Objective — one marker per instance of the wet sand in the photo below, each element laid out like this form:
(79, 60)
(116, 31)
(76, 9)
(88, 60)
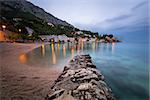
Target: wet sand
(20, 81)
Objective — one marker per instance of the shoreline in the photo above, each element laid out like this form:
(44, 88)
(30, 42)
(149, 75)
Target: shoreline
(21, 81)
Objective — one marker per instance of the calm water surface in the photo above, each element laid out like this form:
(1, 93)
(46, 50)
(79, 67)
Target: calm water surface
(124, 65)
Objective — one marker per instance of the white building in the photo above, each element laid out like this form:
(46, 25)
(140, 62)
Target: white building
(63, 38)
(50, 24)
(71, 39)
(55, 38)
(17, 19)
(78, 32)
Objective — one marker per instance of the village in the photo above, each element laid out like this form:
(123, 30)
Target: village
(30, 37)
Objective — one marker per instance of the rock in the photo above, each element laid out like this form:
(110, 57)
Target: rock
(66, 68)
(91, 65)
(69, 73)
(80, 80)
(56, 94)
(84, 87)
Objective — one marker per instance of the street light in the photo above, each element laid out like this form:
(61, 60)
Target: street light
(3, 26)
(19, 30)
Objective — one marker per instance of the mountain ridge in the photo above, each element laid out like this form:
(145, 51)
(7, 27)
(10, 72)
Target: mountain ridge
(26, 6)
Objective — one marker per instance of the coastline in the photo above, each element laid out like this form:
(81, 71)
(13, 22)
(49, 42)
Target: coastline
(20, 81)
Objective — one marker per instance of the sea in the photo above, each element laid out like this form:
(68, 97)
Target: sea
(125, 65)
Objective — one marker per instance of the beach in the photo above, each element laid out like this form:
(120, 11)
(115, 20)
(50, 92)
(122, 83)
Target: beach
(20, 81)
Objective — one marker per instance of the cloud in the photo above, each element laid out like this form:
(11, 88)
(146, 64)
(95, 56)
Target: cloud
(118, 18)
(99, 15)
(139, 5)
(135, 19)
(124, 18)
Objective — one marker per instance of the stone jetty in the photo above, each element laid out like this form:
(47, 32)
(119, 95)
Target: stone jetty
(80, 80)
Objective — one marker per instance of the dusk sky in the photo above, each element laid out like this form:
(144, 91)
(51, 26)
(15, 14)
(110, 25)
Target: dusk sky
(99, 15)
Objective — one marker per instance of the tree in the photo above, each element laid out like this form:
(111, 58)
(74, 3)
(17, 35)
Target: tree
(111, 36)
(24, 37)
(35, 37)
(14, 37)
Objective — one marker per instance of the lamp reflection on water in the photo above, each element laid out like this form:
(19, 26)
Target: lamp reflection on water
(53, 54)
(96, 45)
(113, 48)
(93, 46)
(58, 49)
(107, 47)
(58, 45)
(78, 47)
(23, 58)
(64, 51)
(82, 45)
(43, 49)
(72, 52)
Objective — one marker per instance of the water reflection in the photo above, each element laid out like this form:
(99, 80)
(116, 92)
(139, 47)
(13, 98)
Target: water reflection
(64, 51)
(107, 47)
(43, 49)
(55, 54)
(23, 58)
(58, 49)
(72, 52)
(109, 58)
(82, 45)
(93, 46)
(113, 48)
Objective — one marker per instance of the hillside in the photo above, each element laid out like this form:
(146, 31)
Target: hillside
(19, 14)
(25, 6)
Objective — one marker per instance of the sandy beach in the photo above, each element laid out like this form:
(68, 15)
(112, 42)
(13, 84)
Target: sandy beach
(20, 81)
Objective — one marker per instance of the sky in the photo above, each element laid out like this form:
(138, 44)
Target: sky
(112, 16)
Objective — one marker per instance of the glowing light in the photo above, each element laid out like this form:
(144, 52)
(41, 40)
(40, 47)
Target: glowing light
(23, 58)
(3, 26)
(19, 30)
(58, 45)
(43, 49)
(64, 51)
(53, 54)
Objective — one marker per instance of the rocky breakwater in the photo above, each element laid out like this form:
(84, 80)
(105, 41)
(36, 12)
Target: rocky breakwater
(80, 80)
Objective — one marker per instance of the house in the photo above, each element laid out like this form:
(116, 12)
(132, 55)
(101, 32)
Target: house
(50, 24)
(63, 38)
(17, 19)
(47, 38)
(55, 38)
(78, 32)
(71, 39)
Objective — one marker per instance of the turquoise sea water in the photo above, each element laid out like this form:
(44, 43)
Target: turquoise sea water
(124, 65)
